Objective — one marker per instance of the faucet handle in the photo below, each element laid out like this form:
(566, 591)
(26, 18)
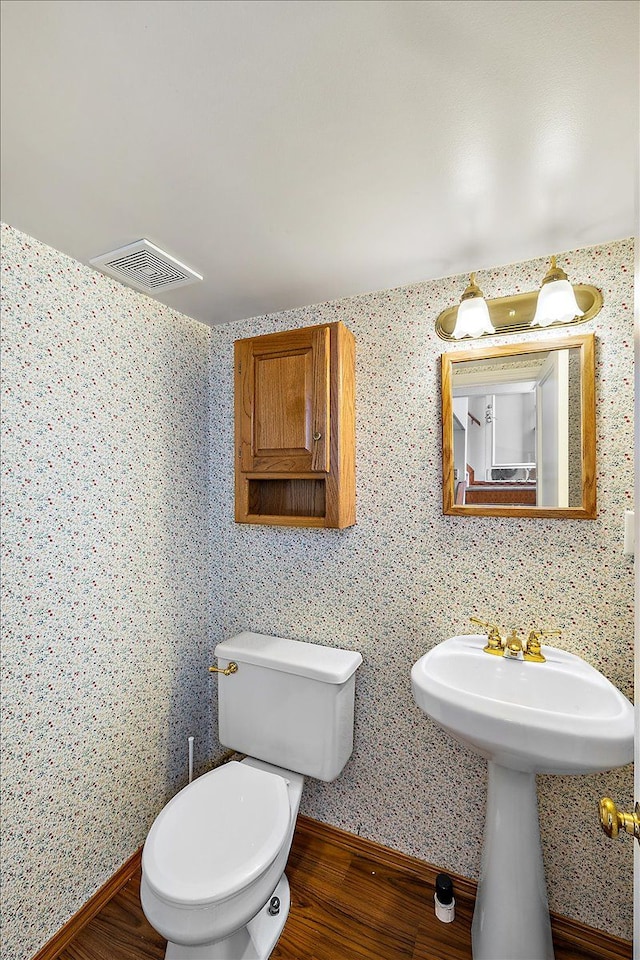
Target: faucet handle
(494, 639)
(533, 652)
(489, 627)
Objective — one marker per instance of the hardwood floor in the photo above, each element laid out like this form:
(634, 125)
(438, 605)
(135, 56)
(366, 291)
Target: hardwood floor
(349, 904)
(350, 900)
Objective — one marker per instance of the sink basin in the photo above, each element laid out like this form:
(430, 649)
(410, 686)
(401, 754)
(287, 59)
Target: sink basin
(561, 716)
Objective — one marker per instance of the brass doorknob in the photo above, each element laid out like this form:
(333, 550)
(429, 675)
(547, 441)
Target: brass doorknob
(612, 821)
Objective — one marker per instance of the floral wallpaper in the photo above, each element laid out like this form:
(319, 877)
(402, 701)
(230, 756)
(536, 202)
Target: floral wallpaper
(122, 568)
(406, 577)
(104, 577)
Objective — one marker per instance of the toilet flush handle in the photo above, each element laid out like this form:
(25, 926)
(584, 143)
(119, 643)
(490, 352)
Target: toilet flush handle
(232, 668)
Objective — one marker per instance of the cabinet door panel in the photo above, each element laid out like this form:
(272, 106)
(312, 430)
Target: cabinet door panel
(283, 391)
(285, 388)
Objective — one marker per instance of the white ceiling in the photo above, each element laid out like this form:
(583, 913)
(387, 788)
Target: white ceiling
(296, 151)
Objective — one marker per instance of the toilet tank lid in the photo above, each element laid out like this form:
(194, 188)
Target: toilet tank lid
(328, 664)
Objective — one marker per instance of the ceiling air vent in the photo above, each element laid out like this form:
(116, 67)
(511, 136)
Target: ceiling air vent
(145, 267)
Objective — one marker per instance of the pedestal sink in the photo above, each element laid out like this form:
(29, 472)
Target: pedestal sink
(561, 716)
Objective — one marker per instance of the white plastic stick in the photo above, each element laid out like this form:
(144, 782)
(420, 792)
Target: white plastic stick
(190, 759)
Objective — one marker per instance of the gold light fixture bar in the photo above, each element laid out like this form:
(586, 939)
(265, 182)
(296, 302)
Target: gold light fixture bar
(514, 314)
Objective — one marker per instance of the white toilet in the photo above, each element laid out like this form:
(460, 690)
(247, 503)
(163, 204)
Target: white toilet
(213, 864)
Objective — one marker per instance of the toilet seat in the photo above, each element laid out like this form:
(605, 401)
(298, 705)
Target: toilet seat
(217, 835)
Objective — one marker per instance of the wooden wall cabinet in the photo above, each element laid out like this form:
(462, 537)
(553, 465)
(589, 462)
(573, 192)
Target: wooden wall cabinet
(295, 427)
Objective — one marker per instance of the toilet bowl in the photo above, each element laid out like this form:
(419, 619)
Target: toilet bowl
(215, 858)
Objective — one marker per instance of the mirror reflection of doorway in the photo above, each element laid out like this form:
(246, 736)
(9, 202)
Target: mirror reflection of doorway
(514, 434)
(552, 439)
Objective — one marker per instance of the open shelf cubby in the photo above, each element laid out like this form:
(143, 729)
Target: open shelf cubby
(287, 498)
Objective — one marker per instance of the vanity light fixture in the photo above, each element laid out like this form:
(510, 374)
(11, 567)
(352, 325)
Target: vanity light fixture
(473, 318)
(557, 300)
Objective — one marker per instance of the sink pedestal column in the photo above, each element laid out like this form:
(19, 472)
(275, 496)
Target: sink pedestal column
(511, 917)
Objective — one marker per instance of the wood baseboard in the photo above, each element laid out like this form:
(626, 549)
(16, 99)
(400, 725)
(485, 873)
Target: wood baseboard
(569, 934)
(588, 940)
(60, 940)
(385, 855)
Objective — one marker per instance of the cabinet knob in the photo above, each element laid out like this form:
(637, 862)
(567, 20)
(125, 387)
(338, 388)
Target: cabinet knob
(317, 436)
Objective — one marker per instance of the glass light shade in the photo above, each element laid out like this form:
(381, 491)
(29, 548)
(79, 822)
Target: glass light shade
(556, 304)
(473, 319)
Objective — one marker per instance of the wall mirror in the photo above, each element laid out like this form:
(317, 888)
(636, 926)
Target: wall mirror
(518, 430)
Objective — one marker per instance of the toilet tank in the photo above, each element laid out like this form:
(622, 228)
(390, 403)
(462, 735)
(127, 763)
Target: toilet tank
(289, 703)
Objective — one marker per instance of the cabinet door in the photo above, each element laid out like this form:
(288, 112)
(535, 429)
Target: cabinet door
(284, 417)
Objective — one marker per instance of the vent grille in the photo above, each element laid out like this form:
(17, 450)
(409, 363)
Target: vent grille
(146, 267)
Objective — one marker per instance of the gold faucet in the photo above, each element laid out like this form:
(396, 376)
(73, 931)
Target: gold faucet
(512, 646)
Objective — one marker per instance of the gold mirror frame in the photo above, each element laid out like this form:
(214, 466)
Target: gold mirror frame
(587, 509)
